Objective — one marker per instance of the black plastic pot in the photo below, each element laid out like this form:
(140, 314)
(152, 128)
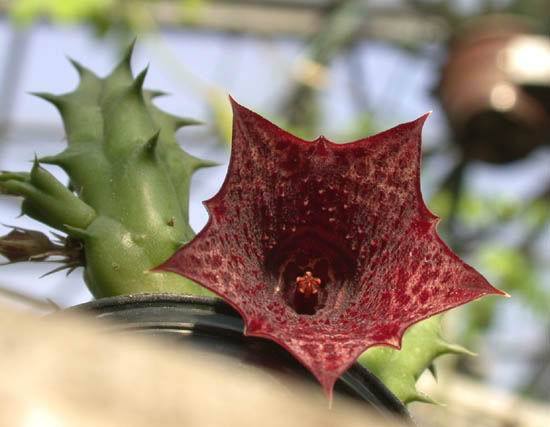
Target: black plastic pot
(211, 325)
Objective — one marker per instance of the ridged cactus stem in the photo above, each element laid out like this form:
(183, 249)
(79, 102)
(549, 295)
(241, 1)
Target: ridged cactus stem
(129, 183)
(400, 369)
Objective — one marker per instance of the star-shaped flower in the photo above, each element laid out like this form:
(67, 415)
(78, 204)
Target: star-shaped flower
(327, 249)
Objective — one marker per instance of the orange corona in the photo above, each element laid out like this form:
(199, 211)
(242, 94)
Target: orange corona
(308, 284)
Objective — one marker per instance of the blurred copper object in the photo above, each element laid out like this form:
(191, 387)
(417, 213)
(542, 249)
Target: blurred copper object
(495, 89)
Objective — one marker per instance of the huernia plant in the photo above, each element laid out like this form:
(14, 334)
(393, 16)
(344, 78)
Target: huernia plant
(327, 249)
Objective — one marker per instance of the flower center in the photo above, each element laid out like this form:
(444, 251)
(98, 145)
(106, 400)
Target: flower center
(308, 284)
(306, 298)
(311, 270)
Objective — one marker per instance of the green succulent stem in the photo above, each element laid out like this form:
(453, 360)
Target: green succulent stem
(128, 196)
(399, 370)
(47, 199)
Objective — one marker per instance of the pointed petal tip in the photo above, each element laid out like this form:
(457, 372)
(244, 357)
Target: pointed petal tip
(503, 293)
(327, 383)
(232, 100)
(491, 290)
(235, 106)
(158, 269)
(239, 109)
(422, 119)
(166, 266)
(414, 125)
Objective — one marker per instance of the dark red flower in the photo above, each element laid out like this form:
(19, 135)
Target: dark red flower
(327, 249)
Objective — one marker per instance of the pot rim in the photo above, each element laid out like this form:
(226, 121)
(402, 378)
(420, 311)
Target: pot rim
(357, 374)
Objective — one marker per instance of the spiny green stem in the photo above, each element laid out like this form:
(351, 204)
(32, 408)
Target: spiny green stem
(400, 369)
(128, 197)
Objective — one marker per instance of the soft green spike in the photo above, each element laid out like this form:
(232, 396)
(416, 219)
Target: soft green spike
(448, 348)
(40, 178)
(68, 156)
(152, 144)
(433, 370)
(195, 163)
(56, 100)
(180, 122)
(176, 122)
(140, 79)
(80, 69)
(129, 53)
(424, 398)
(126, 61)
(152, 94)
(52, 160)
(199, 164)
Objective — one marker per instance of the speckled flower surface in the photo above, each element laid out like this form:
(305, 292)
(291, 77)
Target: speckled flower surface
(327, 249)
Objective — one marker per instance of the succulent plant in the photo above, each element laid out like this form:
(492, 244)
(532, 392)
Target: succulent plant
(326, 249)
(127, 200)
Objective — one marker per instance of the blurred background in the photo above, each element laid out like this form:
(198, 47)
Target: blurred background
(345, 69)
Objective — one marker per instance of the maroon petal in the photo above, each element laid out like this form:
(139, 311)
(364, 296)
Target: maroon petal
(327, 249)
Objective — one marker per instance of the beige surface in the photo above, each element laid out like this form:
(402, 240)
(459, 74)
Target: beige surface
(66, 373)
(471, 404)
